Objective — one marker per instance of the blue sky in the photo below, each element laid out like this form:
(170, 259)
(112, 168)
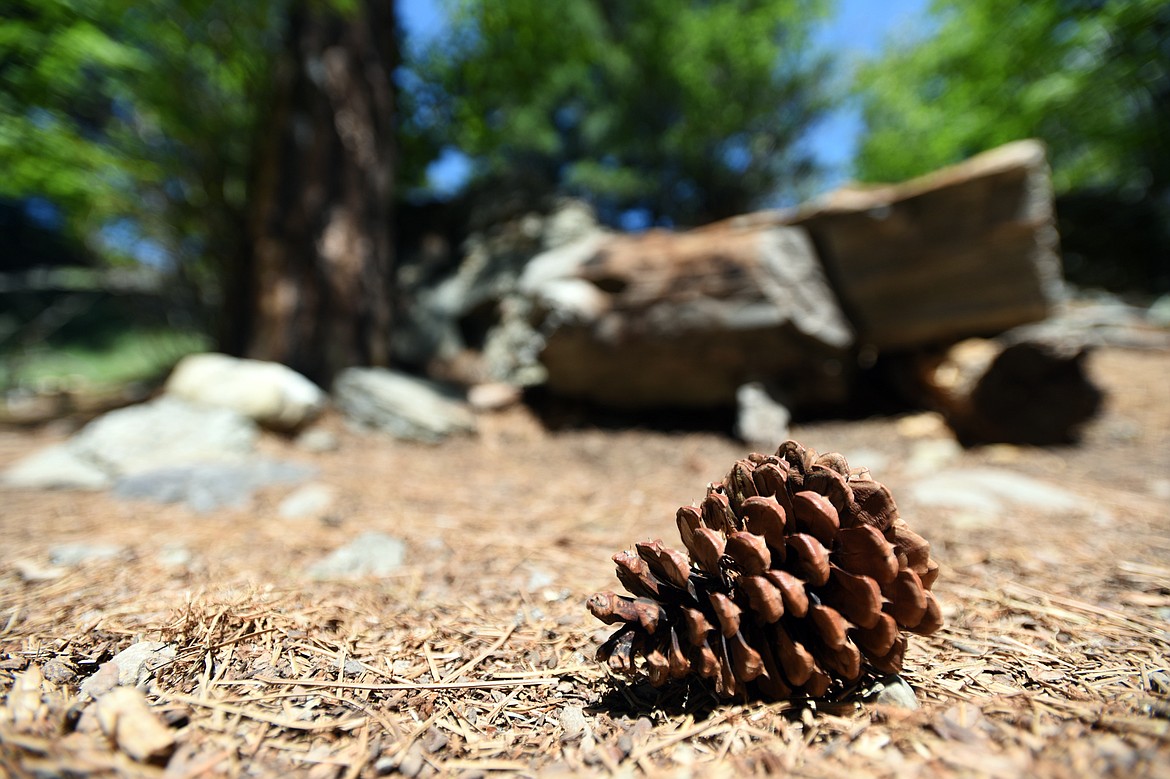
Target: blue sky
(857, 31)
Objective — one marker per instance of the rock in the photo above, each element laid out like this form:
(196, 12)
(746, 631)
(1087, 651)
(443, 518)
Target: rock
(205, 487)
(59, 671)
(137, 662)
(929, 455)
(83, 552)
(1158, 314)
(435, 740)
(312, 501)
(761, 421)
(100, 682)
(570, 221)
(175, 555)
(896, 692)
(1096, 319)
(442, 319)
(34, 572)
(413, 762)
(404, 406)
(162, 433)
(493, 396)
(684, 319)
(965, 251)
(271, 394)
(1014, 389)
(318, 441)
(370, 554)
(55, 467)
(573, 723)
(993, 491)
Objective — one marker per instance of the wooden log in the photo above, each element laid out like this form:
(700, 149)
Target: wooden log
(969, 250)
(684, 319)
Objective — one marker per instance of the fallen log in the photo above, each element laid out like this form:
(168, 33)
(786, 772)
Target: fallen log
(684, 319)
(966, 251)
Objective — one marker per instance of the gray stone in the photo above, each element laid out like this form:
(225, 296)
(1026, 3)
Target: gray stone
(55, 467)
(896, 692)
(573, 723)
(370, 554)
(1158, 314)
(162, 433)
(413, 762)
(137, 662)
(59, 671)
(312, 501)
(205, 487)
(404, 406)
(81, 552)
(269, 393)
(761, 421)
(991, 491)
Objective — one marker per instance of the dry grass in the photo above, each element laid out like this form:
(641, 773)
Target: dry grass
(1055, 660)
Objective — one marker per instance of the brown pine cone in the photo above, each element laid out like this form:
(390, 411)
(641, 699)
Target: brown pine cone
(800, 579)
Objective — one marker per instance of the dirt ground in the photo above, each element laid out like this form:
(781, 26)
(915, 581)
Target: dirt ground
(476, 658)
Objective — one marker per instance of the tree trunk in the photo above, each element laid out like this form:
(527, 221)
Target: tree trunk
(322, 255)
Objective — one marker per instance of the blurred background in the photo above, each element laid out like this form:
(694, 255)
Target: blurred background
(280, 178)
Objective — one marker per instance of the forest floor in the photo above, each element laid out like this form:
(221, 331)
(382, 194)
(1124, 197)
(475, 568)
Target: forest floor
(476, 657)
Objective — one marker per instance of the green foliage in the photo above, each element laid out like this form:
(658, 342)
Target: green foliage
(692, 110)
(1089, 77)
(137, 354)
(138, 111)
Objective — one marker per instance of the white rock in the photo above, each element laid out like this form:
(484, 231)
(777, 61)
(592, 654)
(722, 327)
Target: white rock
(269, 393)
(370, 554)
(761, 420)
(990, 491)
(311, 501)
(896, 692)
(82, 552)
(138, 661)
(574, 723)
(164, 432)
(318, 441)
(55, 467)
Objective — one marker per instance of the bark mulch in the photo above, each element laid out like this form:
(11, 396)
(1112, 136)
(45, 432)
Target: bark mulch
(476, 657)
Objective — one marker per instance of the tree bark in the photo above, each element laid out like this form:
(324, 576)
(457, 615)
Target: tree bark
(322, 251)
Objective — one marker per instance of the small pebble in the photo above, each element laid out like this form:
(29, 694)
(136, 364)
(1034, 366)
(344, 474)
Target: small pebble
(58, 671)
(896, 692)
(318, 441)
(435, 740)
(81, 552)
(412, 762)
(574, 723)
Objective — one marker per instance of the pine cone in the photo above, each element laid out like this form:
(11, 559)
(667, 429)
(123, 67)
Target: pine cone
(800, 579)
